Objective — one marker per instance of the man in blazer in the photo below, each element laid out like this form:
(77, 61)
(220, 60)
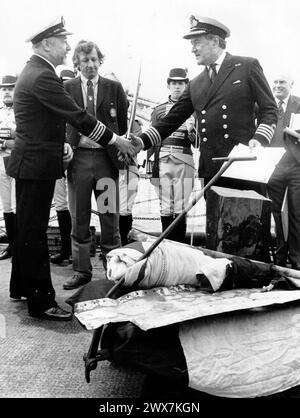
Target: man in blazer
(92, 167)
(286, 174)
(224, 97)
(41, 107)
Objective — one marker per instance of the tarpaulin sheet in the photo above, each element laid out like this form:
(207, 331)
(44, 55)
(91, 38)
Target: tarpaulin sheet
(162, 306)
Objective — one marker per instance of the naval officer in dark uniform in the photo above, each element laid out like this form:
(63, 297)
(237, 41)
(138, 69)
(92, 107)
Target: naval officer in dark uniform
(225, 97)
(41, 108)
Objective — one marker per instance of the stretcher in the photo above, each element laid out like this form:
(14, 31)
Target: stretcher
(203, 353)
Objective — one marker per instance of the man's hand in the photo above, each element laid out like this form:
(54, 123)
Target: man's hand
(68, 155)
(136, 142)
(254, 146)
(9, 143)
(190, 123)
(127, 150)
(253, 143)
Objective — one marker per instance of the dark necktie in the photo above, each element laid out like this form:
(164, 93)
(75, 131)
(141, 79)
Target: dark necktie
(212, 72)
(90, 104)
(280, 109)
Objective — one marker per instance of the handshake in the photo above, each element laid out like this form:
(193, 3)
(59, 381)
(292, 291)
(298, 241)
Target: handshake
(128, 148)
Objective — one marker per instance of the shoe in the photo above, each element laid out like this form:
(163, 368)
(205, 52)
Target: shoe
(76, 281)
(61, 259)
(5, 253)
(56, 313)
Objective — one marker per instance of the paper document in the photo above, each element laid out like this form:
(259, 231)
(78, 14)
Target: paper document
(295, 121)
(259, 170)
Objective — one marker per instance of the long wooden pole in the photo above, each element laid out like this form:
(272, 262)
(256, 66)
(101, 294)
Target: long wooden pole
(172, 226)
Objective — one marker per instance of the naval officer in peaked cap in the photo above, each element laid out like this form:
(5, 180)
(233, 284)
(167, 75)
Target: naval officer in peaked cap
(41, 107)
(224, 96)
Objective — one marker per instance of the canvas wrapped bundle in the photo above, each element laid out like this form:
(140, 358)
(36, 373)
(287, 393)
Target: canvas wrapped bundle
(172, 264)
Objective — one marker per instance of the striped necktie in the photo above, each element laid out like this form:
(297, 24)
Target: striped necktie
(212, 72)
(280, 109)
(90, 103)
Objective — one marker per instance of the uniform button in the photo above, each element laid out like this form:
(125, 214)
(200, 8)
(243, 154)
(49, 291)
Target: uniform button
(203, 112)
(203, 130)
(226, 136)
(224, 116)
(203, 121)
(225, 126)
(204, 139)
(224, 107)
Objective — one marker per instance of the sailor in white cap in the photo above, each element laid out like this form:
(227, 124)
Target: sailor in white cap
(39, 157)
(225, 97)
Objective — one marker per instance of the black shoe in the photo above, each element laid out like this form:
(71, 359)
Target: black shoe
(75, 282)
(5, 253)
(56, 313)
(61, 259)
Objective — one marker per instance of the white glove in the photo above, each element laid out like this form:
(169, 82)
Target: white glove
(190, 123)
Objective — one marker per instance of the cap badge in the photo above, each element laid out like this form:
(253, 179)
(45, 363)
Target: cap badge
(193, 22)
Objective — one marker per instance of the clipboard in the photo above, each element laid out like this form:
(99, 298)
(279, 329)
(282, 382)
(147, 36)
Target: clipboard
(259, 170)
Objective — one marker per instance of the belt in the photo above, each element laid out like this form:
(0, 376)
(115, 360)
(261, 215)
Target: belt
(176, 149)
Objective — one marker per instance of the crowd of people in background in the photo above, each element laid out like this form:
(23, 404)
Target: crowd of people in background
(62, 134)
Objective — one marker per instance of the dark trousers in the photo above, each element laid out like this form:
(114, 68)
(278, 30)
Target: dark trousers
(91, 171)
(286, 174)
(30, 274)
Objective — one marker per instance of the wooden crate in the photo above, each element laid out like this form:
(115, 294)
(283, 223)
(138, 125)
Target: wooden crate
(238, 222)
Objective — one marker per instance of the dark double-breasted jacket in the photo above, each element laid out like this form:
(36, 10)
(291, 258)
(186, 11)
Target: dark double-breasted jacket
(42, 107)
(226, 111)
